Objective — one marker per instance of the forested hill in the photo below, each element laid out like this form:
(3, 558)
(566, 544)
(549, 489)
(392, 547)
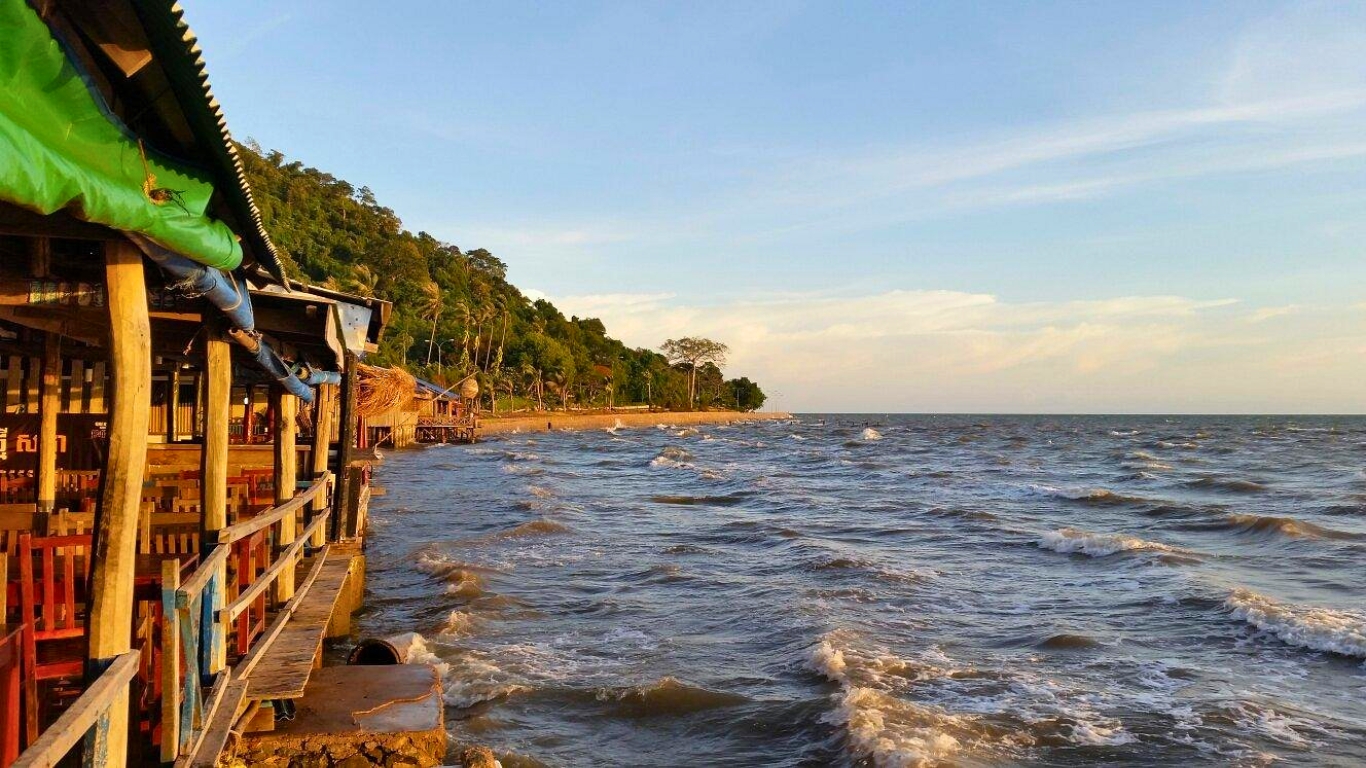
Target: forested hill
(454, 311)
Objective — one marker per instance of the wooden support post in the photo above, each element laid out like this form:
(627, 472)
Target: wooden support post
(248, 416)
(346, 441)
(40, 256)
(213, 488)
(14, 379)
(323, 419)
(286, 475)
(97, 404)
(110, 624)
(49, 405)
(170, 662)
(173, 403)
(35, 365)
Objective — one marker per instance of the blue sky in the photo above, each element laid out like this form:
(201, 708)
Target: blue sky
(891, 206)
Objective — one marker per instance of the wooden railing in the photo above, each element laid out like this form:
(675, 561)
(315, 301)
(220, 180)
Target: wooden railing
(93, 709)
(201, 612)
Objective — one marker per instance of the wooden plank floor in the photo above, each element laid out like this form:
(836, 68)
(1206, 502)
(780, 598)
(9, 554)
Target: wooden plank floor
(286, 663)
(218, 729)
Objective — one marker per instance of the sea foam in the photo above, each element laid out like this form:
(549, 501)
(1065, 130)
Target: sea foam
(1076, 541)
(1318, 629)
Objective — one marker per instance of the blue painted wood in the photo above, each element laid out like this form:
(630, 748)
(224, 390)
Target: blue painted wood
(208, 625)
(96, 748)
(189, 698)
(96, 752)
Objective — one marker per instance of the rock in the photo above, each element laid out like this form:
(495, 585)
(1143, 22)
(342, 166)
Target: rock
(479, 757)
(354, 761)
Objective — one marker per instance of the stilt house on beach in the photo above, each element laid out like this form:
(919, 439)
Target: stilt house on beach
(181, 508)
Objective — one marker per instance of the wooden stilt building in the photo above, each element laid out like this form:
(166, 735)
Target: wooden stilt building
(180, 511)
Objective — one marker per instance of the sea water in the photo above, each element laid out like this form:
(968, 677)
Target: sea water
(890, 591)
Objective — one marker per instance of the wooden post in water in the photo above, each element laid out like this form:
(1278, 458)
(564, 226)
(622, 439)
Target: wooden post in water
(49, 405)
(346, 436)
(110, 624)
(323, 419)
(286, 473)
(213, 488)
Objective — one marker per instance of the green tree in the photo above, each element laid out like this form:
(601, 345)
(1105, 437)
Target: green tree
(692, 352)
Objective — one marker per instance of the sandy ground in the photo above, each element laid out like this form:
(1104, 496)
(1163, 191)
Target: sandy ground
(560, 420)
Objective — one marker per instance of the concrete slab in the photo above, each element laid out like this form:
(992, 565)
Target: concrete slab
(360, 715)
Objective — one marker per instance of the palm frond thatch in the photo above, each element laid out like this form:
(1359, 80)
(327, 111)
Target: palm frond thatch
(383, 389)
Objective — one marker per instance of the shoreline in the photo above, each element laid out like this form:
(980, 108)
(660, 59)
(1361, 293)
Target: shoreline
(503, 425)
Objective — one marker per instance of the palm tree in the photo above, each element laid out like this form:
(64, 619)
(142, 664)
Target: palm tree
(431, 308)
(364, 281)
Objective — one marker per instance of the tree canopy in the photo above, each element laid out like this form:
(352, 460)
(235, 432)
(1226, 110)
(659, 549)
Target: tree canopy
(456, 314)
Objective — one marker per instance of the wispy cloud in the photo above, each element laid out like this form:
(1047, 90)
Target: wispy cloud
(950, 350)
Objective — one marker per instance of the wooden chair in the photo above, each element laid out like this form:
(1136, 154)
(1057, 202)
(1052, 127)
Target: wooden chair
(18, 486)
(251, 556)
(15, 519)
(169, 532)
(48, 611)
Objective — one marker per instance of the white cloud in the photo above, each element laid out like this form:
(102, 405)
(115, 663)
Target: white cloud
(949, 350)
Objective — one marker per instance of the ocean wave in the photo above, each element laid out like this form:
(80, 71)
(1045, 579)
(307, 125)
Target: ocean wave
(673, 457)
(538, 527)
(473, 678)
(795, 436)
(885, 728)
(1268, 721)
(666, 697)
(686, 549)
(1067, 641)
(458, 623)
(869, 433)
(881, 572)
(896, 733)
(686, 432)
(728, 500)
(616, 427)
(462, 579)
(1100, 496)
(1076, 541)
(1286, 526)
(1317, 629)
(413, 649)
(1226, 485)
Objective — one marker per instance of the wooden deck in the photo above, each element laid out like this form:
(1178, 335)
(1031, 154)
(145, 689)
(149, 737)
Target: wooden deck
(286, 659)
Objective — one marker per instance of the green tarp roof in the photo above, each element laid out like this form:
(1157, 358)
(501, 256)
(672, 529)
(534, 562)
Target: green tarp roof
(61, 149)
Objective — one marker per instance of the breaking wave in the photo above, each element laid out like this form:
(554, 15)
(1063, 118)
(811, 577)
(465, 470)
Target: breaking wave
(673, 457)
(1318, 629)
(870, 434)
(884, 725)
(1076, 541)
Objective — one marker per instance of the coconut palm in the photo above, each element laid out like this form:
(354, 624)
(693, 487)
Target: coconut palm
(431, 309)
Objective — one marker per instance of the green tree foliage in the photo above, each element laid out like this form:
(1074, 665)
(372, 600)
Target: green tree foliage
(744, 395)
(455, 314)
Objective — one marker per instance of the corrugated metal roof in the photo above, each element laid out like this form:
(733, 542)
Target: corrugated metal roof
(177, 49)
